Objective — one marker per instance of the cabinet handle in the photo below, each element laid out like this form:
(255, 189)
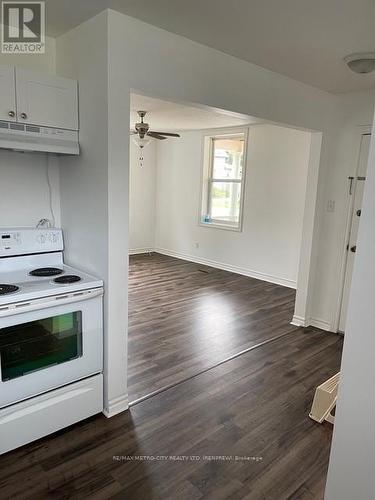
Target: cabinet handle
(23, 116)
(12, 114)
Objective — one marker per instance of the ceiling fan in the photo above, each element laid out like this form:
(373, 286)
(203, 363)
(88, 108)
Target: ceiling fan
(143, 133)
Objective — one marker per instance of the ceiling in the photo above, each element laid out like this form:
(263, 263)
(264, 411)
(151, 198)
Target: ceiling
(166, 116)
(303, 39)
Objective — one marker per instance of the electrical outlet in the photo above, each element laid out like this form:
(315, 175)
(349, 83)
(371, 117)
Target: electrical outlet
(331, 205)
(197, 244)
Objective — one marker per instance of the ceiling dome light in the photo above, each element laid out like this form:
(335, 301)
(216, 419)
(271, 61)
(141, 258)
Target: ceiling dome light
(361, 62)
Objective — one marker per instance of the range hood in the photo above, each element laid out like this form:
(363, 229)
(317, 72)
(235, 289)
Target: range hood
(23, 137)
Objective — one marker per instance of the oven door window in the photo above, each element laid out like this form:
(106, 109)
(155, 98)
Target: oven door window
(39, 344)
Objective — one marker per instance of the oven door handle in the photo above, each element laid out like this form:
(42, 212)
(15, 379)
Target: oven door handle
(46, 302)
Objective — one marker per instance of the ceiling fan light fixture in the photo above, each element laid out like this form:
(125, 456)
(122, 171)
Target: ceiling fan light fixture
(141, 142)
(361, 63)
(142, 135)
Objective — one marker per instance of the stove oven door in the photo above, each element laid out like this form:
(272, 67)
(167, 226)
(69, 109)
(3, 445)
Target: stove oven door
(48, 343)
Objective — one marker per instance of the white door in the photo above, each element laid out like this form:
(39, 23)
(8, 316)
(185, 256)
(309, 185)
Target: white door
(357, 189)
(46, 100)
(8, 109)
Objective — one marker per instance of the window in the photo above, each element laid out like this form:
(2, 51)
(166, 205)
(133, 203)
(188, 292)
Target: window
(223, 181)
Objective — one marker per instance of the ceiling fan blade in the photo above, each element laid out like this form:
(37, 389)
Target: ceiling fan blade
(133, 132)
(155, 135)
(168, 134)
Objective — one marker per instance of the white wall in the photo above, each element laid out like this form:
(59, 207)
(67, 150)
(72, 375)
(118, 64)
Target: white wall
(269, 244)
(39, 62)
(84, 179)
(351, 470)
(142, 194)
(24, 192)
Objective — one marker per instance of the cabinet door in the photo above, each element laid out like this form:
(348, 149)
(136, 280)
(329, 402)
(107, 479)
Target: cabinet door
(8, 109)
(46, 100)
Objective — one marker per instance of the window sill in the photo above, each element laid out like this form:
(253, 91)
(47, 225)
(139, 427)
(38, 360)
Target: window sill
(216, 225)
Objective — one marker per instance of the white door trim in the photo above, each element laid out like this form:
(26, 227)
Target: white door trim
(360, 132)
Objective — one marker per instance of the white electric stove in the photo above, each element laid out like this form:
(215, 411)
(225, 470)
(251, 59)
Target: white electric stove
(51, 338)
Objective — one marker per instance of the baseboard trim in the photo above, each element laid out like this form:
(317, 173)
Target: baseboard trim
(116, 406)
(317, 323)
(227, 267)
(138, 251)
(298, 321)
(320, 323)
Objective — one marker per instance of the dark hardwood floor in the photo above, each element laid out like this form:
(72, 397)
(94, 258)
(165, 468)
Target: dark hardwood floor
(255, 405)
(185, 318)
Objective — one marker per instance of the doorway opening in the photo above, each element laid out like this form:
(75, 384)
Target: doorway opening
(217, 220)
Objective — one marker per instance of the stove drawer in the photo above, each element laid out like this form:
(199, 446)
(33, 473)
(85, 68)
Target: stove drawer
(30, 420)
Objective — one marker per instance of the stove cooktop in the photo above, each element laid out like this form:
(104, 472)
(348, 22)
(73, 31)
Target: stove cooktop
(38, 276)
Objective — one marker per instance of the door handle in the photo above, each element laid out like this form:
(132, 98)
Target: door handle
(353, 249)
(351, 179)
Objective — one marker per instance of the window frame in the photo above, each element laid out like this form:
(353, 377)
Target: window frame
(207, 179)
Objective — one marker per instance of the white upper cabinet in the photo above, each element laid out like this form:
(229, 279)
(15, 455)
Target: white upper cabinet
(46, 100)
(8, 110)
